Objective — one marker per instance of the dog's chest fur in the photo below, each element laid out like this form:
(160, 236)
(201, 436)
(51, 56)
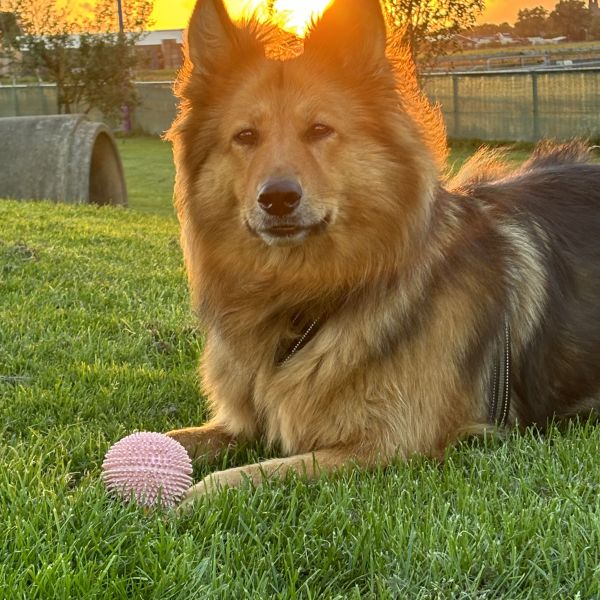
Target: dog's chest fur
(373, 365)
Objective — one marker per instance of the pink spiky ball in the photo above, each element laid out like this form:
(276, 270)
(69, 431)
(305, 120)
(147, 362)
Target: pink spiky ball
(151, 468)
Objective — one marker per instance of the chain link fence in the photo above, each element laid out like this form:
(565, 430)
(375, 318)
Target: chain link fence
(519, 105)
(499, 105)
(154, 115)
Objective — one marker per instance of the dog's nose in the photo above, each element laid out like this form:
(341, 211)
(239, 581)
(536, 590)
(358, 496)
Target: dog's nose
(279, 197)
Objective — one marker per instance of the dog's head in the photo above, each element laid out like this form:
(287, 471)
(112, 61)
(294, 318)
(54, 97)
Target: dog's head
(314, 154)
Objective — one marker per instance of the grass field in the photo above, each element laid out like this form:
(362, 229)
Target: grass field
(97, 340)
(148, 165)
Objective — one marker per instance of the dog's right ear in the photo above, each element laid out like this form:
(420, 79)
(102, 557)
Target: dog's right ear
(213, 39)
(352, 32)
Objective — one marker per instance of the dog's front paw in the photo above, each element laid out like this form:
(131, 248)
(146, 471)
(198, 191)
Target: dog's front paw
(188, 438)
(217, 481)
(206, 487)
(207, 440)
(191, 496)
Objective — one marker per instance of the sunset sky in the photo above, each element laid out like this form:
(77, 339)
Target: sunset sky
(498, 11)
(173, 14)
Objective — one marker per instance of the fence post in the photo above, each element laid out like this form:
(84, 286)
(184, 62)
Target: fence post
(536, 105)
(15, 101)
(43, 100)
(455, 106)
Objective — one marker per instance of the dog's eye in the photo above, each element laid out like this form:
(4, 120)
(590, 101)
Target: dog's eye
(246, 137)
(319, 131)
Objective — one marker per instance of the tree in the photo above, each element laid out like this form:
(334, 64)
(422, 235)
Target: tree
(489, 29)
(430, 26)
(532, 22)
(594, 30)
(9, 34)
(570, 18)
(9, 28)
(84, 54)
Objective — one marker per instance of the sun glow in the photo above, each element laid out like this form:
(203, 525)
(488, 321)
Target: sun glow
(291, 15)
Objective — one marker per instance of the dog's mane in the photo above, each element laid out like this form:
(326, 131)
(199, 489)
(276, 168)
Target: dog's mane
(551, 154)
(485, 166)
(489, 165)
(413, 100)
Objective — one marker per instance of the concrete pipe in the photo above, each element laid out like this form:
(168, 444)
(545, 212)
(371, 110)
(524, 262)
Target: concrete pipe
(65, 158)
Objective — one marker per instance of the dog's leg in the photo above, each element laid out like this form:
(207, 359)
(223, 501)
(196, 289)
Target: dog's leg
(209, 439)
(308, 465)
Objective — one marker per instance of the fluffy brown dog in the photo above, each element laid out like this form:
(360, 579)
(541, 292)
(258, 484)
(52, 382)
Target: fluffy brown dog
(357, 306)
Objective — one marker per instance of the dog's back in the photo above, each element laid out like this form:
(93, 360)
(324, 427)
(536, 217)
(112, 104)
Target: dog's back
(553, 202)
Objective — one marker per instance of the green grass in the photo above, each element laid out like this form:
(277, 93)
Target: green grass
(97, 340)
(149, 172)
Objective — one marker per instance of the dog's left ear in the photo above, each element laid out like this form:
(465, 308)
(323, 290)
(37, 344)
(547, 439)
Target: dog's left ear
(352, 32)
(213, 39)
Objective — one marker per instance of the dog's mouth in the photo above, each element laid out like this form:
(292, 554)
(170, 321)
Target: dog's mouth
(284, 230)
(285, 234)
(288, 230)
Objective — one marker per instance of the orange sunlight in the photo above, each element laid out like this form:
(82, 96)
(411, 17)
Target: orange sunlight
(498, 11)
(291, 15)
(294, 15)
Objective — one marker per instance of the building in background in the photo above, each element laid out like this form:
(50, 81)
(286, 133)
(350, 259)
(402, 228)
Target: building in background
(160, 49)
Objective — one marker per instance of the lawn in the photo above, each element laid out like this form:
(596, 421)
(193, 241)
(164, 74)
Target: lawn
(148, 166)
(97, 340)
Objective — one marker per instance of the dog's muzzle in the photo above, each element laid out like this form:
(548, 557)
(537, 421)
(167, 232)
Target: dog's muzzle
(282, 216)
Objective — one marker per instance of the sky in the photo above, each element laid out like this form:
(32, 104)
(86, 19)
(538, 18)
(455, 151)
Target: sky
(173, 14)
(498, 11)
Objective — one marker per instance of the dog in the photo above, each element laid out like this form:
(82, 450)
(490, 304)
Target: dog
(359, 303)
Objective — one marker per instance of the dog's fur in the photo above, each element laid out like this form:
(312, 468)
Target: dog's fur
(410, 275)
